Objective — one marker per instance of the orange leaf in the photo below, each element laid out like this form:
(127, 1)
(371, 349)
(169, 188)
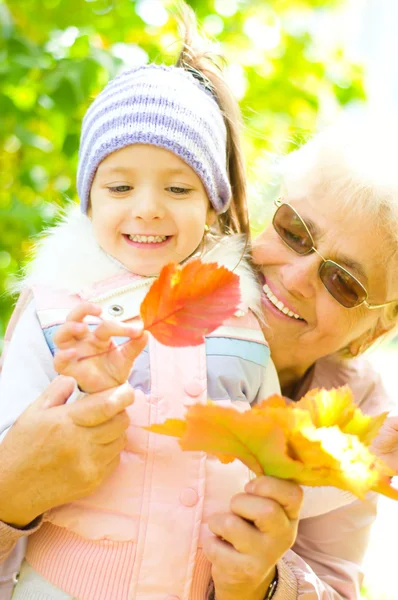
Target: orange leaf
(312, 442)
(188, 302)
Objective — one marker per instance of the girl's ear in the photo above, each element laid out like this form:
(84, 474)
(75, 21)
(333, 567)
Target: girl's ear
(211, 216)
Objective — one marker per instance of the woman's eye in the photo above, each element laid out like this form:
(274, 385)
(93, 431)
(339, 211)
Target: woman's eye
(294, 237)
(120, 189)
(179, 191)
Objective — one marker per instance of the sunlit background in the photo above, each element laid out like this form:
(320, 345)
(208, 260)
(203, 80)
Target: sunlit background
(294, 65)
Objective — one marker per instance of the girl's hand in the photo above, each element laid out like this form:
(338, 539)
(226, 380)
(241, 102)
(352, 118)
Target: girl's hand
(91, 357)
(56, 453)
(385, 445)
(248, 542)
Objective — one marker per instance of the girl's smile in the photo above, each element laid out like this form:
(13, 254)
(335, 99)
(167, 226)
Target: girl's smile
(149, 241)
(148, 208)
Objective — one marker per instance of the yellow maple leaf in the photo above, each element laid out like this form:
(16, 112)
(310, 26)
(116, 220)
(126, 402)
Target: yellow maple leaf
(321, 440)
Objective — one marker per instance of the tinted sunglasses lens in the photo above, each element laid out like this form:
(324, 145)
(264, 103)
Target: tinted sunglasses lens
(291, 230)
(342, 286)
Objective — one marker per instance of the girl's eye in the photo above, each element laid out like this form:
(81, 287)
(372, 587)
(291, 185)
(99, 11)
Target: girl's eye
(120, 189)
(179, 191)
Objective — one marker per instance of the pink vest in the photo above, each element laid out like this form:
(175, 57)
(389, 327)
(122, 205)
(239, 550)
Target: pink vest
(140, 535)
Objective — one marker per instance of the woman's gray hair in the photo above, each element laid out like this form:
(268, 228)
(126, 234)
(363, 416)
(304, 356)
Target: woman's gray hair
(355, 163)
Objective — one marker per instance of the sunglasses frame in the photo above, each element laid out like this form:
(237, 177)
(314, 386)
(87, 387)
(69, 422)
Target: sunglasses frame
(278, 203)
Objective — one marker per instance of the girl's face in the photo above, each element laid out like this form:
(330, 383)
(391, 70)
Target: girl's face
(324, 326)
(148, 208)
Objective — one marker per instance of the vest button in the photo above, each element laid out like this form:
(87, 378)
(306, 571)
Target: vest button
(116, 310)
(194, 388)
(189, 497)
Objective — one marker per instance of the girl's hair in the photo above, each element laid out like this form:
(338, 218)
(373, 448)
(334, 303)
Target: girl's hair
(353, 164)
(202, 65)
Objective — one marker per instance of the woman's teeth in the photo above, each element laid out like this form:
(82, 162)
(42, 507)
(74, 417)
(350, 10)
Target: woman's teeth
(148, 239)
(278, 303)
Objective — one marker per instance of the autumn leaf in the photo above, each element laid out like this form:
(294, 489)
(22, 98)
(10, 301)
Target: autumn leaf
(321, 440)
(188, 302)
(337, 407)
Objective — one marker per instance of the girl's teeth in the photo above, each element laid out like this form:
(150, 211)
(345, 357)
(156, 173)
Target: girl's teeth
(278, 303)
(148, 239)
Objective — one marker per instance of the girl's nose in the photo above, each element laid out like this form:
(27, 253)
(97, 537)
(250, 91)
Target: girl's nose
(148, 205)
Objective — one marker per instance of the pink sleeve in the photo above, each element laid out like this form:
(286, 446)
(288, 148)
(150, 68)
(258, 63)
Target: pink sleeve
(324, 563)
(9, 536)
(12, 550)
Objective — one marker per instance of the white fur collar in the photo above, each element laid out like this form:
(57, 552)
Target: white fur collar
(69, 258)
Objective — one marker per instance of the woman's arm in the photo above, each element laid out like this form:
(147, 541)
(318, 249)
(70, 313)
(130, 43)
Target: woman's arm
(51, 452)
(254, 539)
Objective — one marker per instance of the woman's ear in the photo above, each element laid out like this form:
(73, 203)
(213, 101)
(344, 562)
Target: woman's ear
(364, 341)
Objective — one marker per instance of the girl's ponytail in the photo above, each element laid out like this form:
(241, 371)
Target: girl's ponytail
(202, 65)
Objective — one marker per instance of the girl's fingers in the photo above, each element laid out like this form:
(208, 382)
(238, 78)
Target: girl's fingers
(286, 493)
(130, 350)
(108, 329)
(85, 309)
(69, 332)
(63, 359)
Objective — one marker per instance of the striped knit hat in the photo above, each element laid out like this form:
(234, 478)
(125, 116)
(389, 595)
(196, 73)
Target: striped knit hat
(162, 106)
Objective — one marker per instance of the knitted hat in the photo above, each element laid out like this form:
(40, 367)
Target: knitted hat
(162, 106)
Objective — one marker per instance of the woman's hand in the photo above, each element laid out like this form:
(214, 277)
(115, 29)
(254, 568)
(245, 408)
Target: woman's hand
(57, 452)
(385, 445)
(248, 542)
(91, 356)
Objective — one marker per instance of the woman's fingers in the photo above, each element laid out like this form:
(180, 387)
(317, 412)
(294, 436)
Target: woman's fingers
(56, 394)
(112, 430)
(91, 411)
(267, 515)
(237, 532)
(112, 450)
(288, 494)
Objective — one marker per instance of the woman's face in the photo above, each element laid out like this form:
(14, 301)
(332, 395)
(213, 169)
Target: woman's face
(324, 326)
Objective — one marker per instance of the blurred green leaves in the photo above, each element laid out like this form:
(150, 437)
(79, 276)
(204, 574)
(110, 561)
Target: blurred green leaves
(56, 56)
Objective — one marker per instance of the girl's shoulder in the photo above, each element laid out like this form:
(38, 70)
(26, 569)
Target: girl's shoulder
(68, 257)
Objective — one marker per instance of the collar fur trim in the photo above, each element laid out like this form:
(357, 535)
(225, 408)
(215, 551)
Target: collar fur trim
(68, 257)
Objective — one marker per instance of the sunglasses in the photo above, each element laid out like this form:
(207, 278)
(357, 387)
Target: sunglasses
(340, 283)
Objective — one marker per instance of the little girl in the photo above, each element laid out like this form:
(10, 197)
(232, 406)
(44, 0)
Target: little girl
(158, 155)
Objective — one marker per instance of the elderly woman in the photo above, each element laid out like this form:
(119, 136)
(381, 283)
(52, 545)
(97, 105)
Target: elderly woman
(328, 268)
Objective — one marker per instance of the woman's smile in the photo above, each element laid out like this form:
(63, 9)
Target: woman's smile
(273, 299)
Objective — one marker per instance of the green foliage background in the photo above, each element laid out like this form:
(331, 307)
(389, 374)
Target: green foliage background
(56, 55)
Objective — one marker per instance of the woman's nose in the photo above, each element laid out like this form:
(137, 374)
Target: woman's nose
(300, 275)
